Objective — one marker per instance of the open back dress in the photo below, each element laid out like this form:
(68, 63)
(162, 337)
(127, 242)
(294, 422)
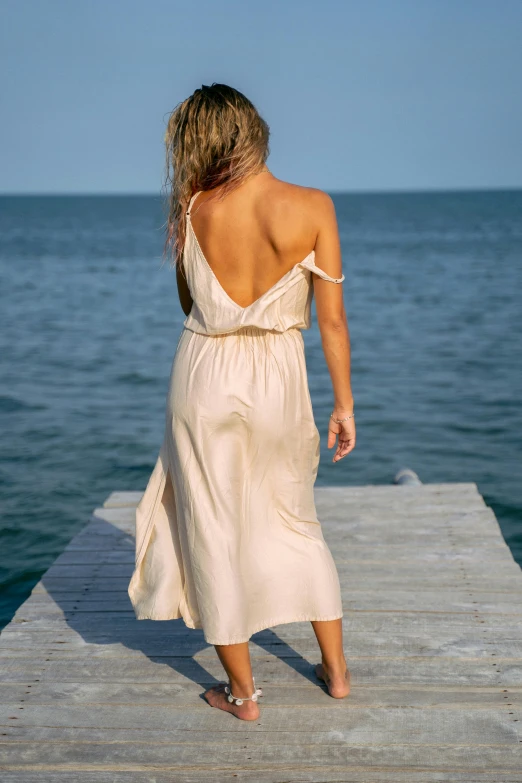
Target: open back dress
(227, 535)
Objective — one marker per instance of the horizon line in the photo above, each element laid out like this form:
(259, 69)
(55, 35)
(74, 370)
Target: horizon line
(363, 192)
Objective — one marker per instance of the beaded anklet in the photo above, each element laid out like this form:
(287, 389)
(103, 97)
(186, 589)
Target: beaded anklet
(234, 699)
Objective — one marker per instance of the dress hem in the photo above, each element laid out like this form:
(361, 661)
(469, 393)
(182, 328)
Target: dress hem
(257, 629)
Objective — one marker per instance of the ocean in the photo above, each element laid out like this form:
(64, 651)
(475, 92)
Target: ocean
(89, 321)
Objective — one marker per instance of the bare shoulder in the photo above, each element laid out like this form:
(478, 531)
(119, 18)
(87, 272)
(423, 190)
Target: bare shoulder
(311, 206)
(319, 199)
(301, 196)
(321, 215)
(322, 207)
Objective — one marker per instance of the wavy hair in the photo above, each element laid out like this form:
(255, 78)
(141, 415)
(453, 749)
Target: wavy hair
(214, 138)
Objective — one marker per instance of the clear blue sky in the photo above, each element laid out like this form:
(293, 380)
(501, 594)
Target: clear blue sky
(359, 95)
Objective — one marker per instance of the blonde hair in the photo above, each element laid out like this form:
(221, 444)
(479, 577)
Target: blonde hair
(214, 138)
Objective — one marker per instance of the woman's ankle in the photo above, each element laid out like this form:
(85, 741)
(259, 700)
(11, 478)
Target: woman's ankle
(335, 667)
(243, 689)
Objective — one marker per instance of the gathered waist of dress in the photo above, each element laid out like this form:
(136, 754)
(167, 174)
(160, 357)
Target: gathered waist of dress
(249, 331)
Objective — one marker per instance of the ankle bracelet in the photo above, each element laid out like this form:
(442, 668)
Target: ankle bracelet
(238, 701)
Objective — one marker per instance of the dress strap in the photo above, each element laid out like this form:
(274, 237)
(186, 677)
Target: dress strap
(310, 264)
(191, 202)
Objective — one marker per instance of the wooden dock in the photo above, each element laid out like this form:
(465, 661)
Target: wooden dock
(433, 637)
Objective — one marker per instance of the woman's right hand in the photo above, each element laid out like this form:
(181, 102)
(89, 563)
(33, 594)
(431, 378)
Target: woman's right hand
(344, 433)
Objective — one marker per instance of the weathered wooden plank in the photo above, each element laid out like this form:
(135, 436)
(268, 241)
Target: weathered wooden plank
(487, 726)
(471, 552)
(120, 499)
(112, 570)
(431, 630)
(467, 643)
(390, 624)
(368, 492)
(448, 595)
(304, 695)
(421, 670)
(391, 600)
(440, 568)
(105, 587)
(243, 752)
(261, 774)
(376, 493)
(423, 514)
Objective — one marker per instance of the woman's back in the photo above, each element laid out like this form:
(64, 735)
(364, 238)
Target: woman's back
(248, 275)
(258, 233)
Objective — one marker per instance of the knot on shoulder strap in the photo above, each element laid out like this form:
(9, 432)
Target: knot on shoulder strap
(191, 202)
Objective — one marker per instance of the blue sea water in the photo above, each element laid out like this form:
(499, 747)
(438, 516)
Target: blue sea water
(89, 321)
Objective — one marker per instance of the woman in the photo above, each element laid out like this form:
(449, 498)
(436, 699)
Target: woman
(227, 536)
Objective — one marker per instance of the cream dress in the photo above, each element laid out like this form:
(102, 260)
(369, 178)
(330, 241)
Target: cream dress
(227, 535)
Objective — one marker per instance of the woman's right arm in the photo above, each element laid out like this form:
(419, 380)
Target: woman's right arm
(333, 325)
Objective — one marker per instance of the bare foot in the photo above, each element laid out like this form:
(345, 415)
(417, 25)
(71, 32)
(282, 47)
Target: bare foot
(339, 686)
(217, 697)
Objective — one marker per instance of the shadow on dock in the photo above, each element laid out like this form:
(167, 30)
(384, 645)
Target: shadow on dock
(89, 584)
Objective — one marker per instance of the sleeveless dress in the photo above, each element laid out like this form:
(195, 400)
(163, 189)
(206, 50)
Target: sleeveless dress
(227, 535)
